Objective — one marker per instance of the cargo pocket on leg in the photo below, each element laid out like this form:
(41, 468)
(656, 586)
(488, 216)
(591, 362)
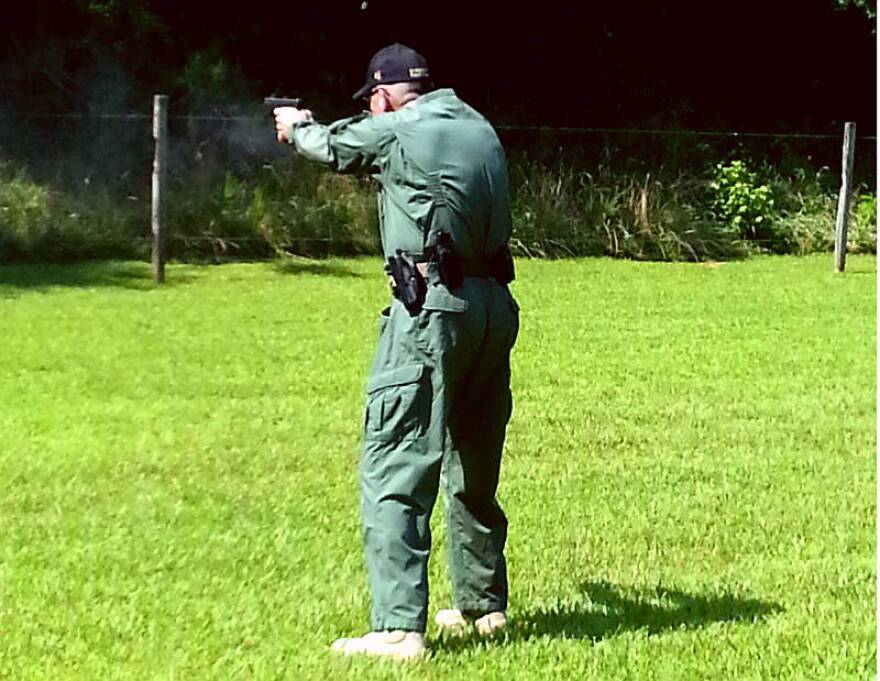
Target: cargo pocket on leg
(398, 405)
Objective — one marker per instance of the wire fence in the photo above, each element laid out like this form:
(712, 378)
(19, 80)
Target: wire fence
(235, 192)
(519, 128)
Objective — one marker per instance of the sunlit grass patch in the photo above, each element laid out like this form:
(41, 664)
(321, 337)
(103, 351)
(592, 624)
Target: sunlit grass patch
(690, 473)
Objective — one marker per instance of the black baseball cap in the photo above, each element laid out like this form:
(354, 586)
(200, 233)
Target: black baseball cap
(394, 64)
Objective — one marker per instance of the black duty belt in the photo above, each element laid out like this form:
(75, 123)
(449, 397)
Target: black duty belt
(469, 268)
(475, 268)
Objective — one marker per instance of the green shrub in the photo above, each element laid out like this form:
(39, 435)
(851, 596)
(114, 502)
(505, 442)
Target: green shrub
(862, 235)
(866, 210)
(25, 216)
(805, 207)
(39, 223)
(740, 202)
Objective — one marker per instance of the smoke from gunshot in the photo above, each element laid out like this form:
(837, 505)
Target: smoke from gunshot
(73, 130)
(254, 137)
(99, 135)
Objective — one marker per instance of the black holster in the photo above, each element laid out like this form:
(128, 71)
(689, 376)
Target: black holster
(409, 284)
(448, 264)
(501, 265)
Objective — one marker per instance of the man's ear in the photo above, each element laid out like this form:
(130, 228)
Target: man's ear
(384, 102)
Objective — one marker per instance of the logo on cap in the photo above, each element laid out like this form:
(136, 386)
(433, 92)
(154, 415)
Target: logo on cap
(419, 72)
(377, 74)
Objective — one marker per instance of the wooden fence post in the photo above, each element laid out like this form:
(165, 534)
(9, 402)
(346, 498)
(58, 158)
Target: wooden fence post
(843, 199)
(160, 135)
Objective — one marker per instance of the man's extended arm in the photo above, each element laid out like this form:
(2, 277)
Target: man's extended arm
(350, 145)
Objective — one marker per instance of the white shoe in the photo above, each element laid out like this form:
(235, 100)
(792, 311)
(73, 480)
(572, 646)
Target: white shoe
(399, 645)
(455, 622)
(452, 622)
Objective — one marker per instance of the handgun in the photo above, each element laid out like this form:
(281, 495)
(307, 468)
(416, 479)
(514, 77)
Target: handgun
(409, 285)
(272, 103)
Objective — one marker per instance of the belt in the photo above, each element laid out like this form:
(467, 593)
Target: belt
(475, 268)
(469, 268)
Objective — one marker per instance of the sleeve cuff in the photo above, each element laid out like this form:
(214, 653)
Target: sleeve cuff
(290, 130)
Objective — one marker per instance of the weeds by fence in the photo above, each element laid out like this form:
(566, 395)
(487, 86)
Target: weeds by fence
(235, 194)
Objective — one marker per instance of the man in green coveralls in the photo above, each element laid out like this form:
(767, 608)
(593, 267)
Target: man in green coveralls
(438, 396)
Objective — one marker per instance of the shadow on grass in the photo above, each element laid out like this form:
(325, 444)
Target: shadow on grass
(325, 268)
(15, 279)
(599, 610)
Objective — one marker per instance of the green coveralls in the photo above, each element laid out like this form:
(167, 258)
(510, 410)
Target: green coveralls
(438, 396)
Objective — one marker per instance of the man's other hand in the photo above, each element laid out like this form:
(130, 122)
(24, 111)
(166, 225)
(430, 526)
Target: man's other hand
(286, 117)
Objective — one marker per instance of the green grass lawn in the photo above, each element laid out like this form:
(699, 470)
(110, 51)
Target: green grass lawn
(690, 473)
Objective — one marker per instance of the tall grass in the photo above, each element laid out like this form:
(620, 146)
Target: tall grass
(282, 208)
(290, 207)
(40, 222)
(560, 211)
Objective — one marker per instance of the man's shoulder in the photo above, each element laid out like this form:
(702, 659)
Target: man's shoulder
(438, 105)
(343, 123)
(447, 99)
(365, 125)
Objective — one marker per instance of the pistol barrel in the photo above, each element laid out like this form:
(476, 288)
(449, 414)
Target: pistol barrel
(275, 102)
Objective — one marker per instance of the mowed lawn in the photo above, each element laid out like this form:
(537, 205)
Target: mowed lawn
(690, 473)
